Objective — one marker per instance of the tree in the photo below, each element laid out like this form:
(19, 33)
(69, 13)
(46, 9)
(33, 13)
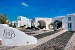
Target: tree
(51, 24)
(14, 25)
(3, 19)
(10, 24)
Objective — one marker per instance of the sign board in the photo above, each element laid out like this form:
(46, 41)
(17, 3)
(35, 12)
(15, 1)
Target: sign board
(14, 37)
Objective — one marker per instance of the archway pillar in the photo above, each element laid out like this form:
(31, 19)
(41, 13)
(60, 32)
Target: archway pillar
(47, 26)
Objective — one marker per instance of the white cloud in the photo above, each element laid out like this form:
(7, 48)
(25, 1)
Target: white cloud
(24, 4)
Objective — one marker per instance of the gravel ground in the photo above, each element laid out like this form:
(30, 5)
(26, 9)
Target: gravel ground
(6, 47)
(45, 34)
(57, 43)
(27, 30)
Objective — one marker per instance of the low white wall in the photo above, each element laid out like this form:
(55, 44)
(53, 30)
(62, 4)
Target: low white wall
(18, 38)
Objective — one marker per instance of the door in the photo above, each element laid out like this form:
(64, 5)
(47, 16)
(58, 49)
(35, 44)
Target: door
(70, 26)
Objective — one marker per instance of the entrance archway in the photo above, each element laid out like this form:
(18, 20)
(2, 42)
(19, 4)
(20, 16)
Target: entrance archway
(57, 24)
(41, 24)
(51, 25)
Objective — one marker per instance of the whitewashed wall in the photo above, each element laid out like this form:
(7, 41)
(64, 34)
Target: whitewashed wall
(21, 20)
(58, 18)
(65, 22)
(73, 22)
(47, 20)
(18, 23)
(19, 37)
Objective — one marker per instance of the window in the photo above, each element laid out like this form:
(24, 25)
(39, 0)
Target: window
(69, 18)
(19, 18)
(69, 25)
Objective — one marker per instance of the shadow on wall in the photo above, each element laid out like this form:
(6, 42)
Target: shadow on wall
(57, 24)
(42, 24)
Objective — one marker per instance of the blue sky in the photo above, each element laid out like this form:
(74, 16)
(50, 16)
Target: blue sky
(36, 8)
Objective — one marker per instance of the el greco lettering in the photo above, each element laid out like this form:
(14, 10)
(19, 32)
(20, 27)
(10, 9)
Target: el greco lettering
(8, 34)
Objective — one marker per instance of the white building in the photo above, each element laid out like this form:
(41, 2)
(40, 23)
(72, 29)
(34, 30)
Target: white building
(13, 22)
(46, 20)
(57, 18)
(68, 22)
(21, 21)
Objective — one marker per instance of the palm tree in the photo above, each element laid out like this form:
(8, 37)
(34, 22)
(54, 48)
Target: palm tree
(3, 19)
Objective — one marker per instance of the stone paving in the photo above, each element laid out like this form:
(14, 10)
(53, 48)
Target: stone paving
(40, 41)
(33, 33)
(71, 43)
(57, 43)
(6, 47)
(39, 32)
(45, 34)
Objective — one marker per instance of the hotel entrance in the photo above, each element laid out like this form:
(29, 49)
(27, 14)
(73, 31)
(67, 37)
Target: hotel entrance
(70, 26)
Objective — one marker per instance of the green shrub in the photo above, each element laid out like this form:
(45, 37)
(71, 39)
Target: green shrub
(21, 26)
(10, 25)
(14, 26)
(24, 25)
(52, 24)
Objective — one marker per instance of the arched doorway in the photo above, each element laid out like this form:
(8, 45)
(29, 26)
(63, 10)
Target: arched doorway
(41, 24)
(57, 24)
(51, 25)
